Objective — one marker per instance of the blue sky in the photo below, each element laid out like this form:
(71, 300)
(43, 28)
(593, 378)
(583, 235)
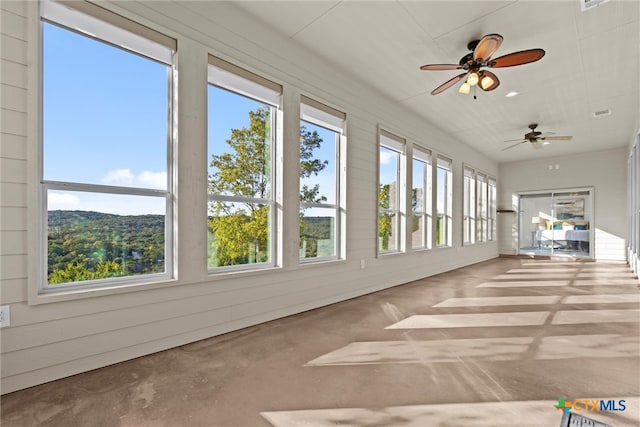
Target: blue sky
(105, 122)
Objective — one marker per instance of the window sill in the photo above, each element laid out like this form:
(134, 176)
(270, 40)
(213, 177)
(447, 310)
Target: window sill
(321, 262)
(78, 293)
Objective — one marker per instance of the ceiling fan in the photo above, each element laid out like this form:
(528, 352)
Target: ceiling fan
(534, 137)
(480, 56)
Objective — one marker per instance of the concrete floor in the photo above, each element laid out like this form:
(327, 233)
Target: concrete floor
(494, 344)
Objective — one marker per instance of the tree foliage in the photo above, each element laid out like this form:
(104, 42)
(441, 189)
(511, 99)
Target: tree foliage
(239, 230)
(310, 141)
(385, 220)
(85, 245)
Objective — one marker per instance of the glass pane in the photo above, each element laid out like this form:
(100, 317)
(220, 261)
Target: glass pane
(440, 230)
(388, 231)
(240, 134)
(418, 190)
(239, 233)
(317, 232)
(441, 187)
(96, 236)
(318, 154)
(388, 199)
(389, 171)
(105, 113)
(443, 207)
(535, 219)
(466, 230)
(429, 230)
(418, 231)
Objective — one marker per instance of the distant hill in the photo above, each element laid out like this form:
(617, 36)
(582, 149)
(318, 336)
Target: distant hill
(85, 239)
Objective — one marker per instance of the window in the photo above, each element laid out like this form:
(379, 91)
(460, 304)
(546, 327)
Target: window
(482, 197)
(321, 133)
(479, 207)
(241, 217)
(633, 188)
(421, 199)
(106, 149)
(444, 188)
(389, 194)
(469, 206)
(491, 213)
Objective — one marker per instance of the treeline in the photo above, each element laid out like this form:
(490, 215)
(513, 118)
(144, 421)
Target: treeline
(85, 245)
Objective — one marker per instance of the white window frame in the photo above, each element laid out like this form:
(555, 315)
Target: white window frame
(469, 206)
(241, 82)
(491, 212)
(424, 211)
(322, 115)
(95, 22)
(482, 199)
(397, 144)
(446, 164)
(633, 186)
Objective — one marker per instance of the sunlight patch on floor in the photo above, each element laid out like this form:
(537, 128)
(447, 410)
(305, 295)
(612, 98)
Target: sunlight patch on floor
(534, 413)
(523, 283)
(481, 349)
(471, 320)
(435, 351)
(601, 299)
(574, 317)
(498, 301)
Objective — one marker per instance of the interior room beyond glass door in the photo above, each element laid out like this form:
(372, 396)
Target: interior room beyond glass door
(556, 223)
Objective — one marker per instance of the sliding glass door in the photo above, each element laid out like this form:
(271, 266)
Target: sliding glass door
(558, 223)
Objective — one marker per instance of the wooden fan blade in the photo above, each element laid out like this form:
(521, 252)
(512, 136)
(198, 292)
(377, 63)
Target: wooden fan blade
(487, 47)
(438, 67)
(514, 140)
(488, 81)
(446, 85)
(517, 58)
(514, 145)
(557, 138)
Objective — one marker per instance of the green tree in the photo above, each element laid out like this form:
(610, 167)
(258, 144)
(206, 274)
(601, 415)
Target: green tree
(309, 165)
(240, 231)
(384, 219)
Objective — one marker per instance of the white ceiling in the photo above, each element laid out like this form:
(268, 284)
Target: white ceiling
(591, 64)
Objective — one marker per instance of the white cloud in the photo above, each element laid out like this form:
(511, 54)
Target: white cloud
(386, 156)
(119, 177)
(145, 179)
(62, 201)
(150, 179)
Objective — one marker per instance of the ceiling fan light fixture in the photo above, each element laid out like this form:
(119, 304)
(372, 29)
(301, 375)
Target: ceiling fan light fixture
(480, 57)
(464, 88)
(512, 94)
(473, 78)
(486, 82)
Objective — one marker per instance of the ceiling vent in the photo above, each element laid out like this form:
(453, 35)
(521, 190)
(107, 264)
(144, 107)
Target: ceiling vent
(601, 113)
(590, 4)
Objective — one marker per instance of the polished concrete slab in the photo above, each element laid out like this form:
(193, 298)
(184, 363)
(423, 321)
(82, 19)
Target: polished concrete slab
(493, 344)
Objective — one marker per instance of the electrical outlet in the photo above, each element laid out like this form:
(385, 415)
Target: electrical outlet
(5, 316)
(361, 263)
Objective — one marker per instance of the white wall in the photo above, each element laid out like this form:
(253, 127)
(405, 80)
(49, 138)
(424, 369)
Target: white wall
(605, 171)
(57, 339)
